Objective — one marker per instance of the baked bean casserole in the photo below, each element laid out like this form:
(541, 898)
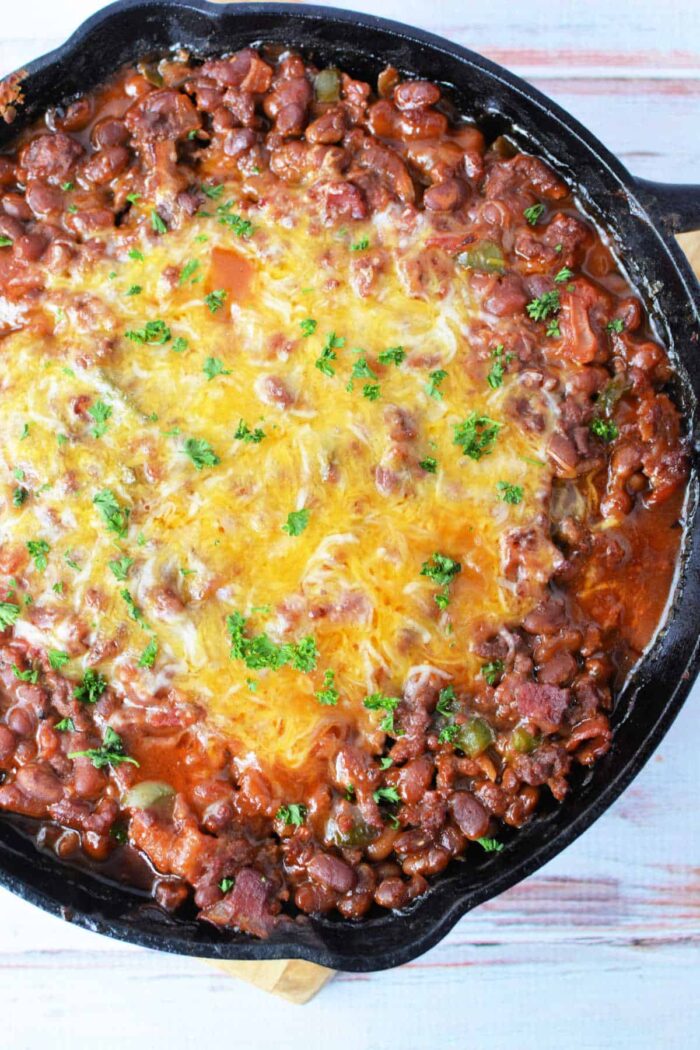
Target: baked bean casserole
(341, 487)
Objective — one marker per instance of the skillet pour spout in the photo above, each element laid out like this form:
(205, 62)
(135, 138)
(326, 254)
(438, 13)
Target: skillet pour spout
(640, 218)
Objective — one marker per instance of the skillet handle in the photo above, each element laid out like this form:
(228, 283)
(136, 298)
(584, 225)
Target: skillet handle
(677, 206)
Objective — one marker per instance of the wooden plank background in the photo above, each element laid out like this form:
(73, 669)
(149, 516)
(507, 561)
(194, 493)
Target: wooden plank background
(600, 949)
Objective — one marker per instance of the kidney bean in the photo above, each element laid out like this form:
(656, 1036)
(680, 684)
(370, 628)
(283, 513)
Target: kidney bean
(51, 157)
(76, 116)
(290, 120)
(14, 205)
(21, 720)
(88, 782)
(428, 862)
(333, 872)
(40, 784)
(416, 94)
(445, 196)
(106, 164)
(45, 200)
(10, 227)
(415, 779)
(7, 743)
(470, 815)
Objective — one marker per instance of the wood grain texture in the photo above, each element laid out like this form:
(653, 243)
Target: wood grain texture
(601, 949)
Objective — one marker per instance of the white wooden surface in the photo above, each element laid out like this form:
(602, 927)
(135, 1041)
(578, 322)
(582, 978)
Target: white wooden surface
(601, 949)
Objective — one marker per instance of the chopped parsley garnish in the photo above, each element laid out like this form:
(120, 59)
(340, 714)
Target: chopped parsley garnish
(157, 224)
(260, 651)
(30, 675)
(492, 671)
(179, 345)
(227, 884)
(71, 562)
(154, 333)
(372, 391)
(120, 567)
(490, 845)
(134, 289)
(393, 355)
(553, 329)
(38, 550)
(57, 659)
(100, 412)
(533, 213)
(328, 353)
(434, 380)
(328, 695)
(57, 588)
(251, 437)
(9, 613)
(386, 794)
(135, 254)
(24, 434)
(216, 299)
(361, 245)
(441, 570)
(72, 209)
(564, 274)
(604, 429)
(540, 308)
(477, 435)
(240, 226)
(213, 367)
(616, 325)
(67, 186)
(5, 242)
(296, 522)
(447, 701)
(509, 493)
(201, 453)
(19, 496)
(189, 270)
(386, 762)
(115, 516)
(498, 368)
(134, 610)
(91, 688)
(66, 725)
(379, 702)
(449, 733)
(308, 326)
(361, 370)
(148, 656)
(429, 465)
(133, 198)
(111, 753)
(294, 813)
(213, 192)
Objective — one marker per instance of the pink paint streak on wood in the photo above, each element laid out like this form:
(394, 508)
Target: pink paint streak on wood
(583, 59)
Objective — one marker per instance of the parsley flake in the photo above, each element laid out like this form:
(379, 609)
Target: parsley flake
(115, 516)
(328, 695)
(308, 326)
(476, 435)
(429, 465)
(360, 245)
(38, 550)
(148, 656)
(57, 659)
(238, 225)
(201, 453)
(616, 325)
(533, 213)
(297, 520)
(492, 671)
(386, 794)
(111, 753)
(328, 353)
(66, 725)
(564, 274)
(91, 688)
(509, 493)
(189, 270)
(153, 333)
(120, 567)
(604, 429)
(490, 845)
(539, 309)
(434, 380)
(9, 613)
(213, 367)
(100, 412)
(260, 651)
(157, 224)
(393, 355)
(251, 437)
(216, 299)
(294, 814)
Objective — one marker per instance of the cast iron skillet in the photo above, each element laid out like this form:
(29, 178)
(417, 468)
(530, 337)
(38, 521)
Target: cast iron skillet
(640, 218)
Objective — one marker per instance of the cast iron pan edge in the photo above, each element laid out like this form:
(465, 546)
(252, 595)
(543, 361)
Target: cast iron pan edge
(640, 215)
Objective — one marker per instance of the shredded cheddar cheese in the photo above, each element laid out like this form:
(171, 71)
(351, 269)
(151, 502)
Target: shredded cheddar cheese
(232, 402)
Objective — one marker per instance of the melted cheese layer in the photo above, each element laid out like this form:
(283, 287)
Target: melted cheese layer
(208, 543)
